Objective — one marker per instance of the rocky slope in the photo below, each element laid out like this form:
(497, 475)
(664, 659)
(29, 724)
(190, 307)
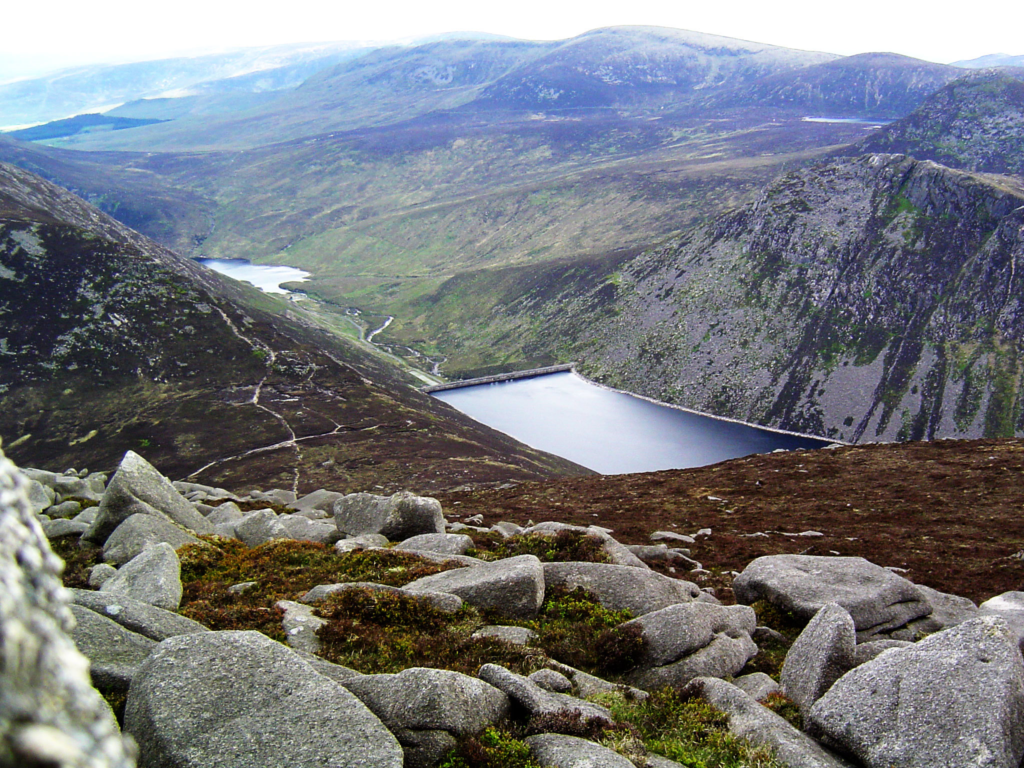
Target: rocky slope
(975, 123)
(110, 342)
(861, 299)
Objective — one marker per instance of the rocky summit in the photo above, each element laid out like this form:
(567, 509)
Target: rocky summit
(450, 643)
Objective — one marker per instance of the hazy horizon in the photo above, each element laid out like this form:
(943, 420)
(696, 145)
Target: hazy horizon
(61, 34)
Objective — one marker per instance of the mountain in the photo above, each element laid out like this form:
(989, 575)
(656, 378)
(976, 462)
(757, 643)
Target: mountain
(111, 342)
(868, 85)
(975, 123)
(991, 60)
(630, 68)
(100, 87)
(870, 298)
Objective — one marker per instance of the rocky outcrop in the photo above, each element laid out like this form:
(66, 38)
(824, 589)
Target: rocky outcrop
(396, 517)
(49, 712)
(622, 588)
(237, 699)
(513, 587)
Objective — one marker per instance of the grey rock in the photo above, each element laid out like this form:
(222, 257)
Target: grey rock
(554, 750)
(442, 543)
(114, 653)
(136, 488)
(550, 680)
(947, 611)
(259, 527)
(242, 587)
(507, 529)
(66, 510)
(228, 512)
(514, 586)
(877, 599)
(588, 685)
(356, 543)
(760, 726)
(679, 630)
(538, 702)
(99, 573)
(50, 713)
(475, 520)
(153, 577)
(239, 700)
(425, 749)
(865, 652)
(140, 532)
(955, 698)
(87, 515)
(431, 700)
(225, 530)
(437, 557)
(677, 558)
(303, 529)
(766, 634)
(512, 635)
(618, 553)
(300, 626)
(724, 656)
(397, 517)
(60, 528)
(757, 685)
(275, 496)
(316, 505)
(211, 492)
(824, 652)
(136, 616)
(621, 588)
(657, 761)
(672, 536)
(1008, 606)
(335, 672)
(40, 497)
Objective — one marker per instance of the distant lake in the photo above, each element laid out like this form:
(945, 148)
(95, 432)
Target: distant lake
(267, 278)
(851, 120)
(611, 432)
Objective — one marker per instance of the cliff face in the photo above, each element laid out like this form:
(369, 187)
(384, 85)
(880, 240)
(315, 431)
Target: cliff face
(871, 299)
(976, 123)
(109, 342)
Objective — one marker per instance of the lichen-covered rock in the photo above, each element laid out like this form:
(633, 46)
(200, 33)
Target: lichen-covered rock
(824, 652)
(955, 698)
(514, 586)
(876, 598)
(153, 577)
(241, 700)
(137, 488)
(442, 601)
(139, 532)
(396, 517)
(50, 714)
(621, 588)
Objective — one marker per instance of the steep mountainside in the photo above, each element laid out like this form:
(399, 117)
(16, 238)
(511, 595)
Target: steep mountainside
(870, 298)
(975, 123)
(110, 342)
(877, 85)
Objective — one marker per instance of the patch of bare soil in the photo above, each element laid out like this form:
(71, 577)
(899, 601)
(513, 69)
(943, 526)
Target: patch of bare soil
(950, 513)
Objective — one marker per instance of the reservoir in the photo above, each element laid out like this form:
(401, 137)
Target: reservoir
(266, 277)
(608, 431)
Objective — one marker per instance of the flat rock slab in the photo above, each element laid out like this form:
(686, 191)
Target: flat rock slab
(877, 599)
(442, 543)
(114, 653)
(136, 616)
(760, 726)
(141, 531)
(137, 488)
(622, 588)
(513, 586)
(241, 700)
(955, 698)
(553, 750)
(152, 577)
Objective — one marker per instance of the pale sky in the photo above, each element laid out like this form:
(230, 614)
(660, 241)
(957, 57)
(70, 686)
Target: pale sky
(49, 34)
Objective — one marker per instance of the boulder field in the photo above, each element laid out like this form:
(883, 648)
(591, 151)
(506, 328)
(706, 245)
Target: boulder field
(877, 671)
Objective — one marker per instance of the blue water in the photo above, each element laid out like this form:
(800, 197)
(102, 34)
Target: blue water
(611, 432)
(266, 277)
